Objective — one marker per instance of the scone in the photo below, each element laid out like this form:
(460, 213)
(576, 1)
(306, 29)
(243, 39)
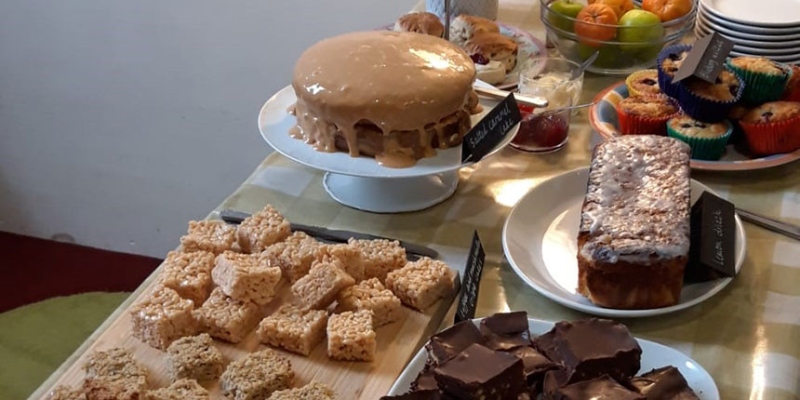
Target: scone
(707, 139)
(464, 27)
(645, 115)
(494, 47)
(772, 128)
(420, 22)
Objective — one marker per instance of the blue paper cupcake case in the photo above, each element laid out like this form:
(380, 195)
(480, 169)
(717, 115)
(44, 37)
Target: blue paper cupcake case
(707, 110)
(664, 80)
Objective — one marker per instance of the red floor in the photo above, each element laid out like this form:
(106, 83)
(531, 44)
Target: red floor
(36, 269)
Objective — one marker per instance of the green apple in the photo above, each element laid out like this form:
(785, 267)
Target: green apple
(609, 56)
(563, 12)
(639, 29)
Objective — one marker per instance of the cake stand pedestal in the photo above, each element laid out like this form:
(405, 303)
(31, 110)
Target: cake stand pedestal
(391, 195)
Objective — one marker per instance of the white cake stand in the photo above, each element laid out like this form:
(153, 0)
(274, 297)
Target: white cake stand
(360, 182)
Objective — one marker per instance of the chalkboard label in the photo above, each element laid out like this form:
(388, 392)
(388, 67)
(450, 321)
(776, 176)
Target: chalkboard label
(468, 300)
(713, 243)
(706, 58)
(490, 130)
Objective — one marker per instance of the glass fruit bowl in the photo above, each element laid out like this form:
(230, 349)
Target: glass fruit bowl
(626, 44)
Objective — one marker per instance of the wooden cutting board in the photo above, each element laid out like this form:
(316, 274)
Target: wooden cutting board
(396, 344)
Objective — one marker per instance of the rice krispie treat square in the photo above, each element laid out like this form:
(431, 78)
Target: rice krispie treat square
(189, 274)
(351, 336)
(245, 277)
(113, 374)
(194, 357)
(226, 318)
(211, 236)
(371, 295)
(312, 391)
(421, 283)
(64, 392)
(380, 257)
(293, 328)
(293, 256)
(262, 229)
(183, 389)
(345, 256)
(257, 375)
(161, 317)
(319, 288)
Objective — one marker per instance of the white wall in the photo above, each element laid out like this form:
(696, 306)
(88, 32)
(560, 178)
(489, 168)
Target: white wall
(122, 120)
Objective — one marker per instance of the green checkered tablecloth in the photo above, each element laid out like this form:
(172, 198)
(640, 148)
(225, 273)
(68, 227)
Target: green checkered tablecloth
(747, 336)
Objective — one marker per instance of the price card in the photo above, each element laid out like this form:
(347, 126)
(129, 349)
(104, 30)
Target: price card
(706, 58)
(490, 131)
(471, 283)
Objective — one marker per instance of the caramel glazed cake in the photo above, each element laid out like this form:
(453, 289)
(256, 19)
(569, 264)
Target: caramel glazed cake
(395, 96)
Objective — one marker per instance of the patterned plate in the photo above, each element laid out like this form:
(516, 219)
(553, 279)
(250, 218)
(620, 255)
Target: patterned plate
(603, 117)
(529, 48)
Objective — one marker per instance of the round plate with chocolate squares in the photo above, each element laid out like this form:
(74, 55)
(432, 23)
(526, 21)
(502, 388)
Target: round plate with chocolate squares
(509, 356)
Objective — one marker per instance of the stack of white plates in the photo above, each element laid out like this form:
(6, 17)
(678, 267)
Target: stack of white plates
(766, 28)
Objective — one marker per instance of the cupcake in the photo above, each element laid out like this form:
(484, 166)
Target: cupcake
(764, 79)
(792, 90)
(641, 83)
(707, 139)
(772, 128)
(669, 61)
(645, 115)
(710, 102)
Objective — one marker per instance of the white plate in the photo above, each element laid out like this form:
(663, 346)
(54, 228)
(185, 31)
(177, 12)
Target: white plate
(749, 32)
(274, 123)
(778, 13)
(654, 355)
(701, 30)
(741, 47)
(540, 243)
(783, 59)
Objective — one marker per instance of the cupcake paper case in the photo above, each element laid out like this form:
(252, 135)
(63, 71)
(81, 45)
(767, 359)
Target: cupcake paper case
(706, 108)
(760, 86)
(772, 128)
(664, 77)
(709, 147)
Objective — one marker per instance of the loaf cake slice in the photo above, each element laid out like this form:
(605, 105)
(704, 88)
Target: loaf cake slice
(633, 242)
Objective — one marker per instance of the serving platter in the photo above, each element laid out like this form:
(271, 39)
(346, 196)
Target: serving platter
(654, 355)
(396, 344)
(603, 118)
(540, 243)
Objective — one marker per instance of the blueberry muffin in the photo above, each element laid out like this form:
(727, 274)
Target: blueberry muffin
(643, 82)
(710, 102)
(645, 115)
(707, 139)
(792, 90)
(764, 79)
(772, 128)
(669, 61)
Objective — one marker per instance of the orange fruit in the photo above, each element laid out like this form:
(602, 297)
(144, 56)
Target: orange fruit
(596, 23)
(667, 10)
(620, 6)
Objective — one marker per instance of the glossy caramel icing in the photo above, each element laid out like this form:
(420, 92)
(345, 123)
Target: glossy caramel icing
(392, 95)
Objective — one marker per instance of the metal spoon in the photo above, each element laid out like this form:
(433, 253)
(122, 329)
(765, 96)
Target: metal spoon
(588, 62)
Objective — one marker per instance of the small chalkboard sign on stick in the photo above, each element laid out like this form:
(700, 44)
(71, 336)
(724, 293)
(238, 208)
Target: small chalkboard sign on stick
(471, 283)
(706, 58)
(490, 131)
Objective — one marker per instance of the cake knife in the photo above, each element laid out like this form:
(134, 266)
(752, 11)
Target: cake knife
(536, 102)
(783, 228)
(332, 235)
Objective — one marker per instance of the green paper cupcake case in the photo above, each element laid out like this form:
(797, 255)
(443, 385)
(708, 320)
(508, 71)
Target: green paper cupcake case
(710, 149)
(759, 87)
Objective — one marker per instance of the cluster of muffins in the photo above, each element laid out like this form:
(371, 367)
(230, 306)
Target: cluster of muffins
(752, 96)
